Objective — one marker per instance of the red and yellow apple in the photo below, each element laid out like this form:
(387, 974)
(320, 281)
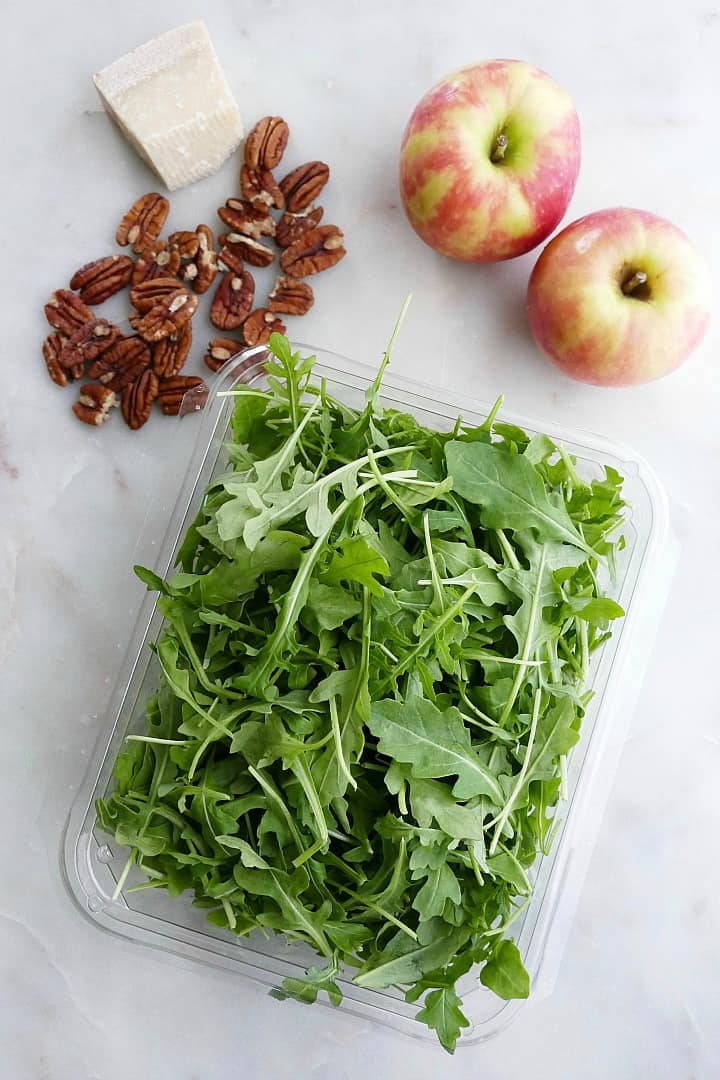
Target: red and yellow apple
(489, 161)
(619, 297)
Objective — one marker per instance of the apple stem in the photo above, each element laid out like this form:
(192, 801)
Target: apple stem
(634, 282)
(498, 149)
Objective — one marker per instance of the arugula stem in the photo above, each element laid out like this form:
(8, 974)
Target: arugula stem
(194, 704)
(529, 638)
(430, 633)
(336, 861)
(380, 910)
(471, 705)
(124, 873)
(342, 763)
(229, 913)
(501, 819)
(569, 465)
(160, 883)
(563, 778)
(487, 424)
(202, 677)
(507, 549)
(569, 656)
(474, 864)
(272, 793)
(383, 484)
(244, 392)
(383, 648)
(198, 755)
(372, 394)
(299, 768)
(397, 874)
(481, 654)
(505, 926)
(582, 633)
(157, 742)
(435, 577)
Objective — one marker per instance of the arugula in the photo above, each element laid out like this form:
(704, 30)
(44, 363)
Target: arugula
(371, 674)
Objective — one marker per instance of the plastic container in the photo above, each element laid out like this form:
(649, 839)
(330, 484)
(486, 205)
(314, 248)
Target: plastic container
(92, 863)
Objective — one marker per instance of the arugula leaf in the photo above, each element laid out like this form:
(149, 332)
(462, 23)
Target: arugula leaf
(509, 491)
(357, 562)
(405, 960)
(434, 743)
(442, 1012)
(329, 606)
(431, 800)
(285, 890)
(505, 974)
(440, 886)
(308, 988)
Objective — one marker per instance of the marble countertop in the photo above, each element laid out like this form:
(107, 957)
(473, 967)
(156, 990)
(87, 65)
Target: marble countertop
(637, 993)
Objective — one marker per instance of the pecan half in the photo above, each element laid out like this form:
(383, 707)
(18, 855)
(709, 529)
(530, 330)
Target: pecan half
(143, 222)
(258, 327)
(232, 301)
(230, 257)
(99, 280)
(303, 185)
(87, 343)
(260, 188)
(169, 355)
(168, 314)
(156, 261)
(290, 297)
(122, 363)
(94, 404)
(52, 347)
(240, 247)
(265, 144)
(242, 217)
(291, 226)
(186, 243)
(147, 293)
(316, 250)
(186, 393)
(220, 350)
(205, 260)
(137, 399)
(66, 312)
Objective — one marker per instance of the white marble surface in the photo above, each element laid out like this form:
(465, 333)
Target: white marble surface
(637, 995)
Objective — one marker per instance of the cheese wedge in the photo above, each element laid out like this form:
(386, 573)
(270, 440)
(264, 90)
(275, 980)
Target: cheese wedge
(172, 101)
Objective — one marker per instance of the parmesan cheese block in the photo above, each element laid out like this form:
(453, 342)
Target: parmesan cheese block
(172, 101)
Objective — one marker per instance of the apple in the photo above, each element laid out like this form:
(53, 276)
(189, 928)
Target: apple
(489, 161)
(619, 297)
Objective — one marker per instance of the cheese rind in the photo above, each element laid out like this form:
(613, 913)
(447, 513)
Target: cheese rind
(172, 101)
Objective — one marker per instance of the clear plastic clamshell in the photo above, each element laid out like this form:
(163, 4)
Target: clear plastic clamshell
(92, 863)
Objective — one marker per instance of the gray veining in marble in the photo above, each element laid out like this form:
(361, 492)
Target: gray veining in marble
(638, 994)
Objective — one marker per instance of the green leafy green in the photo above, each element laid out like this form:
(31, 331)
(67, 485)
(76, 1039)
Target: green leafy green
(434, 743)
(505, 974)
(371, 672)
(509, 491)
(442, 1011)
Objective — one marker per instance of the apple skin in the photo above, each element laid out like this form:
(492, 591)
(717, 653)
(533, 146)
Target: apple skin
(584, 322)
(457, 199)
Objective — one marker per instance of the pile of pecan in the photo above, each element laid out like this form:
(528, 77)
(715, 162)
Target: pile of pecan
(135, 370)
(306, 247)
